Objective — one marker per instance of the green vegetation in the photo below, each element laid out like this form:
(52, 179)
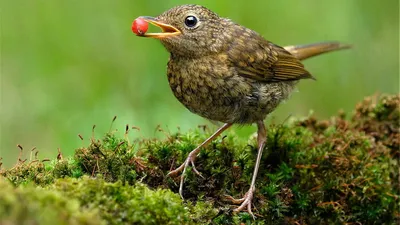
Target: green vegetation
(69, 64)
(337, 171)
(66, 65)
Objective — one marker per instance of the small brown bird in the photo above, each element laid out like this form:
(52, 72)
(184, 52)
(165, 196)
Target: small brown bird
(225, 72)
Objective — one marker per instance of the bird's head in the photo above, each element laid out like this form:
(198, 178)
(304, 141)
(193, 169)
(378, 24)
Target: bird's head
(189, 30)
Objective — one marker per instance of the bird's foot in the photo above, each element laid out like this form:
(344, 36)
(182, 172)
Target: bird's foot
(193, 155)
(245, 202)
(182, 168)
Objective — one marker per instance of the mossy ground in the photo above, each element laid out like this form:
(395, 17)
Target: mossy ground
(336, 171)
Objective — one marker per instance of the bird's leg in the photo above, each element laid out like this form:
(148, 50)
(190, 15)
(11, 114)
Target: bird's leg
(192, 156)
(246, 200)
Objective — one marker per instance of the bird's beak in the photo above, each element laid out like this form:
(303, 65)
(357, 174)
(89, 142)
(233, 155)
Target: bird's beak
(167, 30)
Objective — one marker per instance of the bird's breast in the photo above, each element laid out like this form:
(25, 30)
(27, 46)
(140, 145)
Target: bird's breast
(211, 88)
(206, 86)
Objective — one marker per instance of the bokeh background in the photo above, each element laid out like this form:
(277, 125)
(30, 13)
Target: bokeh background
(69, 64)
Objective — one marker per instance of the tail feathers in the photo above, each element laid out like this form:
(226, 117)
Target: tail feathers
(302, 52)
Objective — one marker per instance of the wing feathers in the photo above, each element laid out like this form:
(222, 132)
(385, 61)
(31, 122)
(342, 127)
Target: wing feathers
(263, 61)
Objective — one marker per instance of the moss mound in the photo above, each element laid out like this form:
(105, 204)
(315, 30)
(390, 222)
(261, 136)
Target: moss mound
(332, 171)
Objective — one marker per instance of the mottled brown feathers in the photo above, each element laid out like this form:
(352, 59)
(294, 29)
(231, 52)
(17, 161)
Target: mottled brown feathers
(225, 72)
(258, 59)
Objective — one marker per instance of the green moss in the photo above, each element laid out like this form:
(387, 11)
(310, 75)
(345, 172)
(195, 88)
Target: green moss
(35, 205)
(111, 157)
(41, 173)
(124, 204)
(313, 172)
(94, 201)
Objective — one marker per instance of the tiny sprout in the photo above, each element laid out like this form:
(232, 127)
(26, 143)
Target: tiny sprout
(33, 149)
(159, 129)
(94, 126)
(112, 122)
(136, 128)
(287, 118)
(59, 155)
(127, 129)
(203, 127)
(20, 153)
(121, 143)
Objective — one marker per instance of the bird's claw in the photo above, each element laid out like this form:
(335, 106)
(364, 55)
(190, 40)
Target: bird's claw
(244, 202)
(195, 170)
(182, 168)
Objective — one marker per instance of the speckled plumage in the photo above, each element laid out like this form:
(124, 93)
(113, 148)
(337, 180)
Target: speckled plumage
(225, 72)
(215, 90)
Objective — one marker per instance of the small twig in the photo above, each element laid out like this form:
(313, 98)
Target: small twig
(36, 154)
(94, 126)
(20, 153)
(135, 128)
(94, 168)
(159, 129)
(33, 149)
(112, 122)
(81, 137)
(34, 161)
(126, 133)
(204, 127)
(59, 155)
(119, 145)
(172, 164)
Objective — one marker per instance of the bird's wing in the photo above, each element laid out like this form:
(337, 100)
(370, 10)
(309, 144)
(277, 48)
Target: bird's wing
(261, 60)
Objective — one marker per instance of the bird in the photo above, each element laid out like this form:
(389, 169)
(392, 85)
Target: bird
(227, 73)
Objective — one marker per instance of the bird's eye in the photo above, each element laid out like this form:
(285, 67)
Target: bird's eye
(191, 21)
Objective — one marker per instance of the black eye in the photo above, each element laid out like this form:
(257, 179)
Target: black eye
(190, 21)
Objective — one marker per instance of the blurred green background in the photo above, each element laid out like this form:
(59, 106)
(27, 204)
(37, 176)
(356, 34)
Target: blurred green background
(69, 64)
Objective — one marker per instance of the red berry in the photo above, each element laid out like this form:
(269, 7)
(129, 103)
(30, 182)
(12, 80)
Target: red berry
(139, 26)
